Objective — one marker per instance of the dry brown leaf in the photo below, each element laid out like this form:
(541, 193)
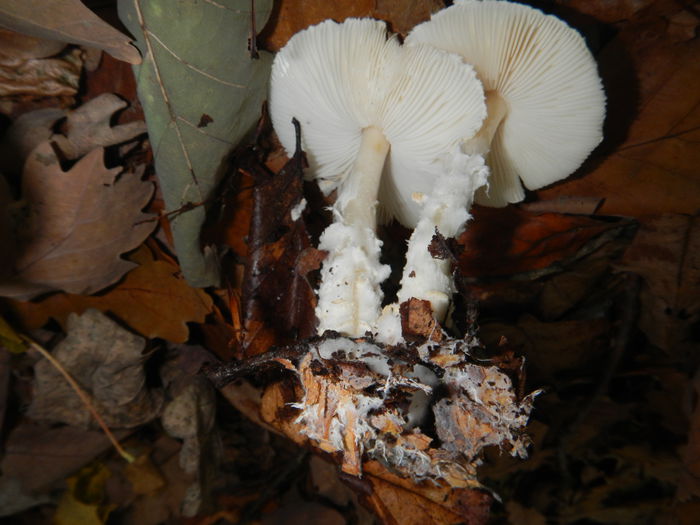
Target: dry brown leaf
(404, 16)
(107, 362)
(689, 483)
(652, 76)
(666, 254)
(398, 501)
(519, 515)
(511, 240)
(291, 16)
(41, 77)
(78, 224)
(89, 127)
(26, 133)
(38, 456)
(161, 506)
(86, 128)
(67, 21)
(153, 299)
(552, 348)
(17, 45)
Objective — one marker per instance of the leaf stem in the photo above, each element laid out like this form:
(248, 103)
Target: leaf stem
(84, 397)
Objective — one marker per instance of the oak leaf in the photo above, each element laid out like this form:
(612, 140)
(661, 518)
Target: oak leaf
(153, 299)
(78, 223)
(105, 360)
(86, 128)
(67, 21)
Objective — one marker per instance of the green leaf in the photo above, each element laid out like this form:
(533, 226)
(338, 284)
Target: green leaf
(201, 92)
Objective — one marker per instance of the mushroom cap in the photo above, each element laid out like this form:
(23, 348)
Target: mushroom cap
(548, 79)
(338, 79)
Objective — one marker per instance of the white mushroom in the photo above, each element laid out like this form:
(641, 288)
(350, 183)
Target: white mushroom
(545, 100)
(377, 120)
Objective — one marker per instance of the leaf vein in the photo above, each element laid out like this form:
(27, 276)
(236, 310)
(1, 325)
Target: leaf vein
(191, 66)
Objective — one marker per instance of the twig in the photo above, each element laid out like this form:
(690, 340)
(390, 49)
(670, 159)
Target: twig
(84, 397)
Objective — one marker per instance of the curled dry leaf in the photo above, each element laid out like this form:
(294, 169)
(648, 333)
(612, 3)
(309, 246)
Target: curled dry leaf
(67, 21)
(77, 224)
(107, 361)
(41, 77)
(87, 127)
(278, 300)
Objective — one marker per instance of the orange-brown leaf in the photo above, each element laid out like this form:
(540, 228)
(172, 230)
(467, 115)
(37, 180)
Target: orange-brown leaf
(648, 162)
(153, 299)
(510, 241)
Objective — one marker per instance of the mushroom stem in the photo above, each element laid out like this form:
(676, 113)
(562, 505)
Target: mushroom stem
(350, 294)
(428, 275)
(496, 110)
(357, 198)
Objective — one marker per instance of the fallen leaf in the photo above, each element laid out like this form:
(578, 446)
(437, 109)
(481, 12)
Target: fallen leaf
(78, 224)
(307, 512)
(554, 348)
(648, 161)
(196, 62)
(40, 456)
(291, 16)
(10, 340)
(404, 16)
(13, 500)
(278, 300)
(41, 77)
(107, 362)
(398, 501)
(144, 476)
(666, 254)
(83, 502)
(26, 132)
(17, 45)
(519, 515)
(89, 127)
(689, 482)
(67, 21)
(190, 416)
(510, 241)
(138, 300)
(162, 506)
